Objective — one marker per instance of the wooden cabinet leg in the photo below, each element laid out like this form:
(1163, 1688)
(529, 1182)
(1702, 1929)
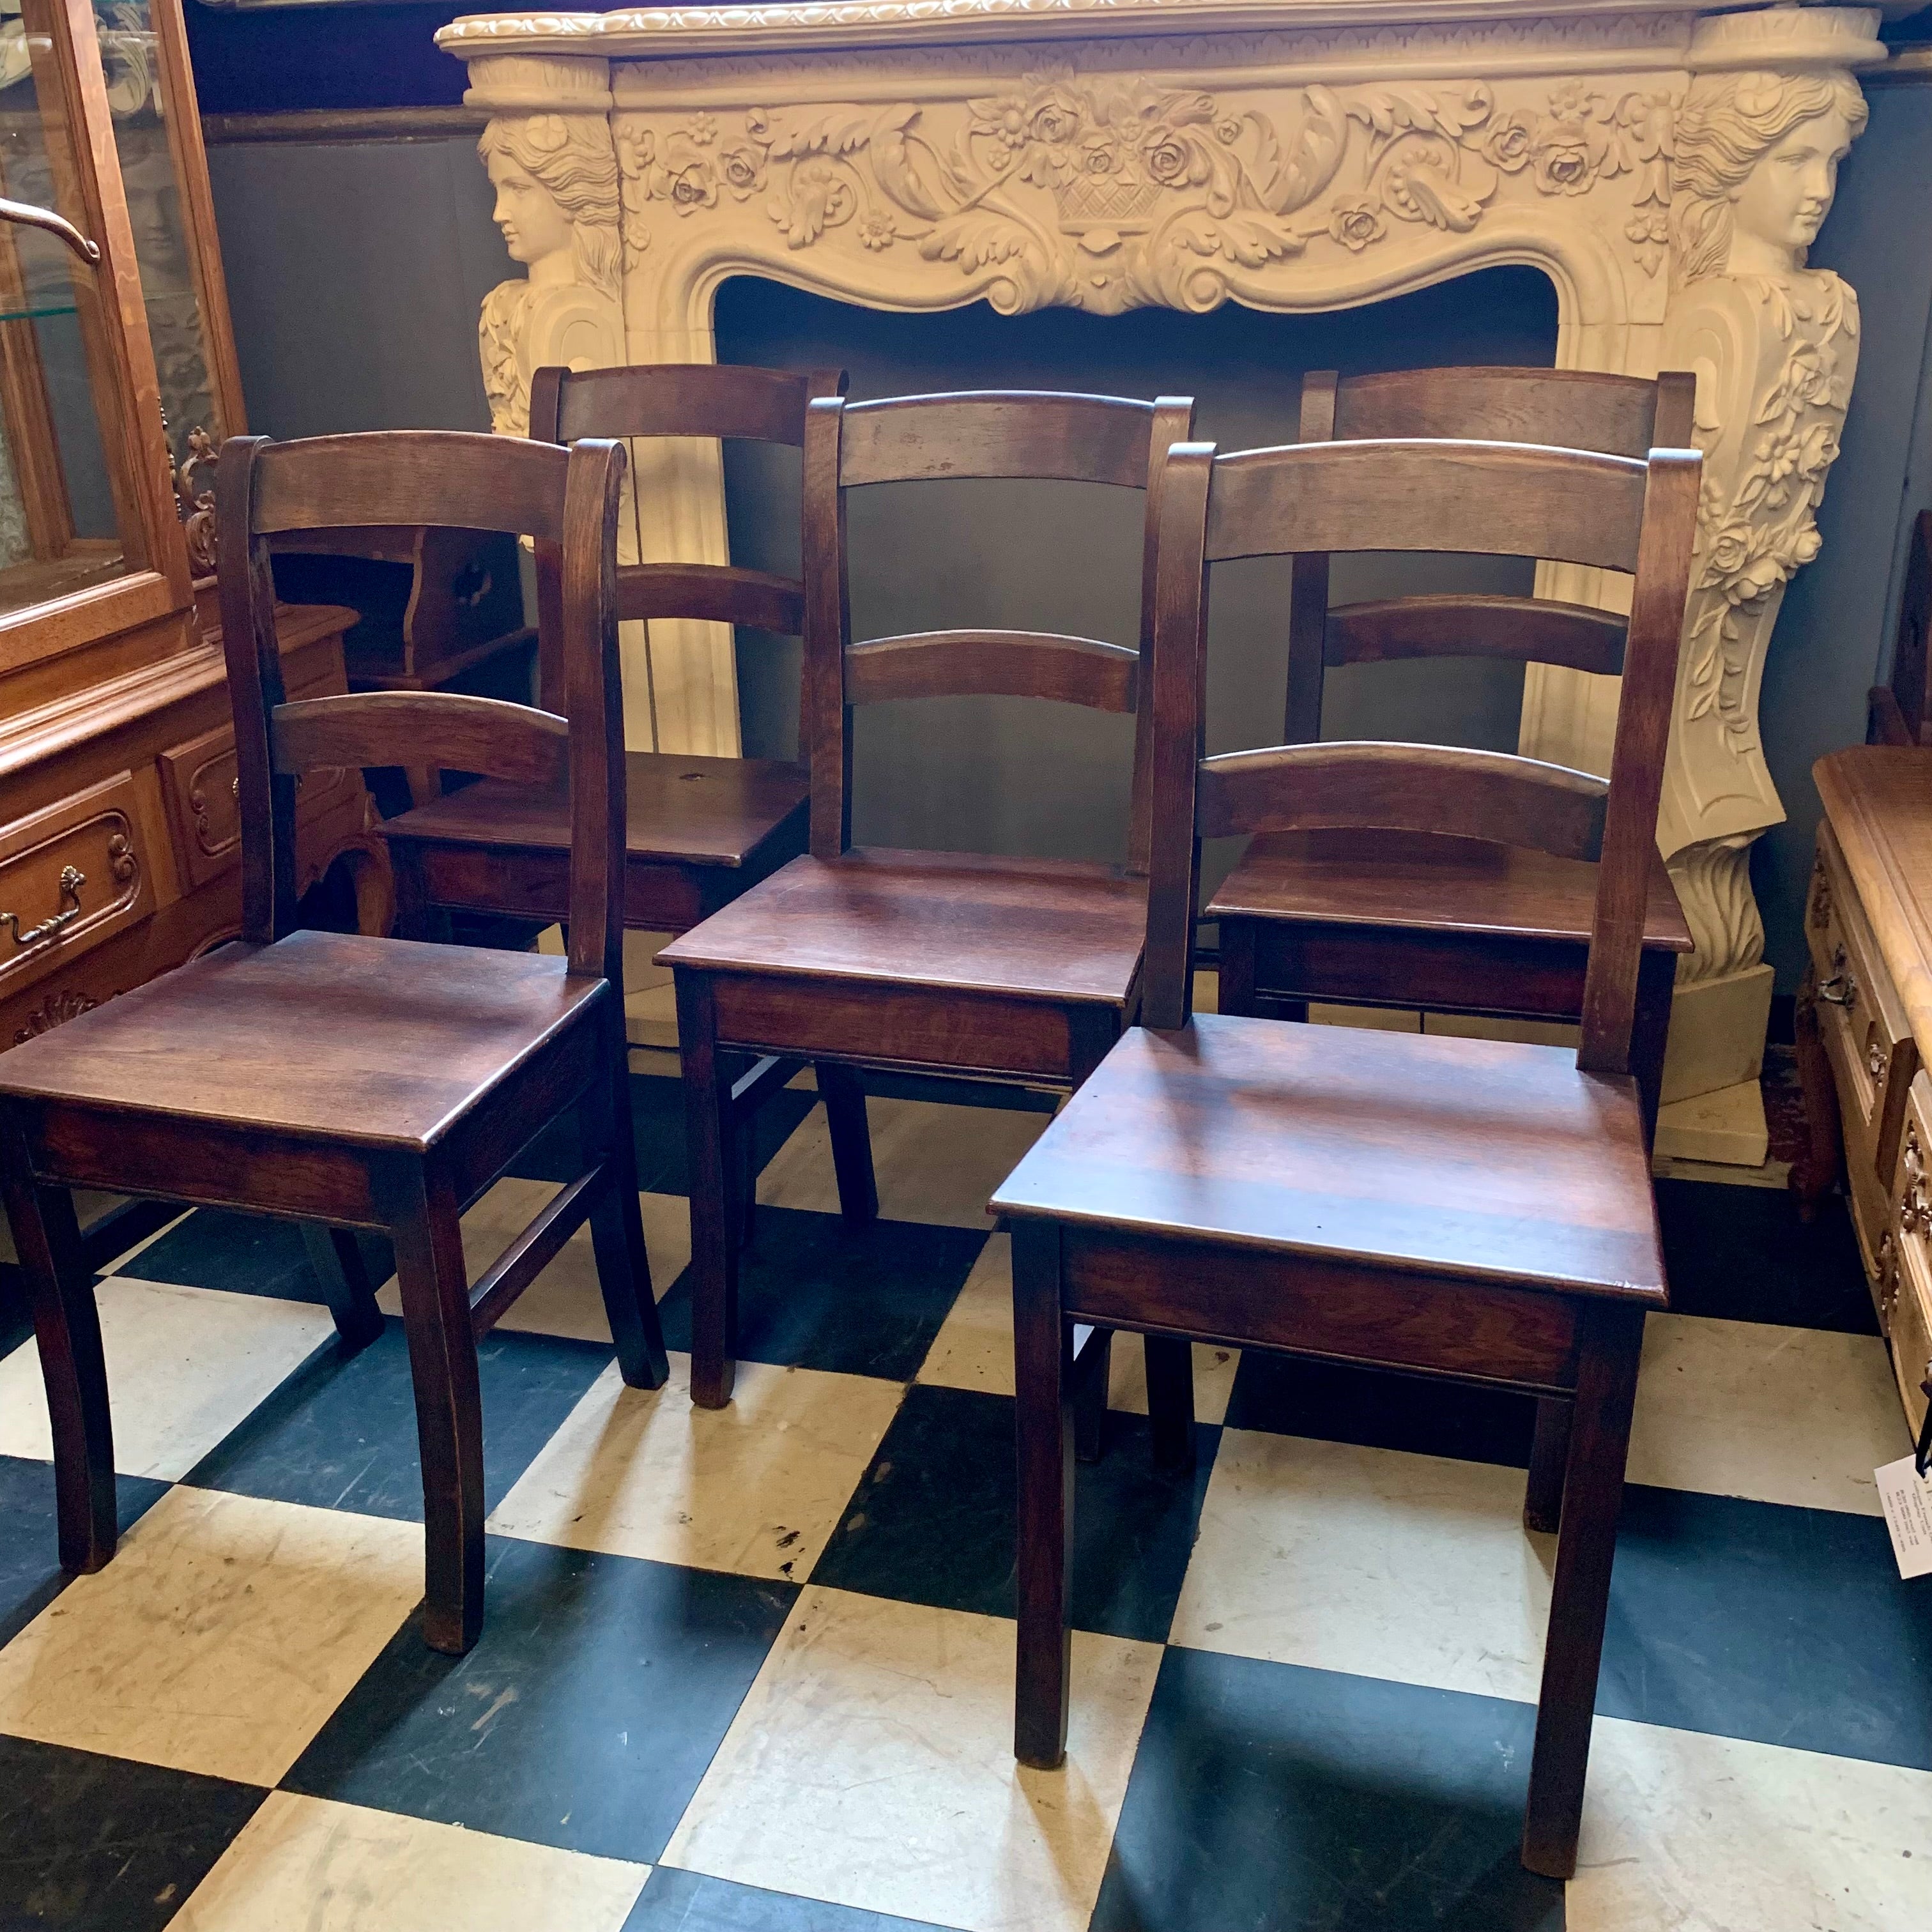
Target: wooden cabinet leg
(1593, 1488)
(1815, 1172)
(1044, 1423)
(709, 1120)
(66, 1325)
(430, 1269)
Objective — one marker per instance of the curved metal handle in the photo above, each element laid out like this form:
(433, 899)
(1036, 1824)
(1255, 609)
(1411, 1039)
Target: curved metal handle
(1840, 990)
(29, 216)
(72, 879)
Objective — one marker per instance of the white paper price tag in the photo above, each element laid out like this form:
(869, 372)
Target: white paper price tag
(1906, 1498)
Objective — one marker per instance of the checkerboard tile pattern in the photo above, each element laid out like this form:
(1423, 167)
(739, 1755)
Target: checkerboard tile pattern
(751, 1671)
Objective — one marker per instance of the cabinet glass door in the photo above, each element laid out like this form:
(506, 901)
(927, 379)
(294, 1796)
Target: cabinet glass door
(69, 518)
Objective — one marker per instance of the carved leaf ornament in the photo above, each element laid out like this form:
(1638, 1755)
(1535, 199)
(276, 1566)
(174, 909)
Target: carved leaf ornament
(1117, 193)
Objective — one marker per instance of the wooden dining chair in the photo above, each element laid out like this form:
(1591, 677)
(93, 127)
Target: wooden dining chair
(1007, 969)
(1380, 918)
(1476, 1209)
(350, 1082)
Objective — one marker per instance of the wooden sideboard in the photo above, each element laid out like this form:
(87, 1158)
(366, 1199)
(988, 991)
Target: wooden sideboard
(1864, 1031)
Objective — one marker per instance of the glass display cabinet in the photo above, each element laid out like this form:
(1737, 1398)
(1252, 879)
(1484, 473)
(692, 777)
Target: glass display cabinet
(118, 847)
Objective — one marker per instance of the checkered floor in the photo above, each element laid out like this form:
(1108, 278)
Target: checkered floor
(751, 1671)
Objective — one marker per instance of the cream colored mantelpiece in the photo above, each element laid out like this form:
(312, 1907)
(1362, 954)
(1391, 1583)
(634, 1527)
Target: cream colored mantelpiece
(1666, 169)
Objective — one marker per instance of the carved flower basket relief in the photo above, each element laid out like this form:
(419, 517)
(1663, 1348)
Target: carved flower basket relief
(1114, 193)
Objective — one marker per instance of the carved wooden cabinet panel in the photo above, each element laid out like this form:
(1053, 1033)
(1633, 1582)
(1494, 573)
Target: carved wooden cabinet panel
(1906, 1290)
(71, 875)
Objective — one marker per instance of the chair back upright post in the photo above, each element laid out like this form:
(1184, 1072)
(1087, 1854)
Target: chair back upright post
(708, 400)
(1603, 511)
(1564, 408)
(566, 501)
(1011, 434)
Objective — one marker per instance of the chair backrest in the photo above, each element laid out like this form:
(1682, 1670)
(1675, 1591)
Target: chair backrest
(732, 402)
(1897, 707)
(567, 501)
(996, 433)
(1611, 512)
(1563, 409)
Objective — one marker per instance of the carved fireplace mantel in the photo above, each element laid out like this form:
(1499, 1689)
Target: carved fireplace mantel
(1666, 169)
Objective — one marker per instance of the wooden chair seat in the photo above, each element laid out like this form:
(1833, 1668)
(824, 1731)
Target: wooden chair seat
(699, 831)
(382, 1042)
(1428, 882)
(1485, 1160)
(1042, 928)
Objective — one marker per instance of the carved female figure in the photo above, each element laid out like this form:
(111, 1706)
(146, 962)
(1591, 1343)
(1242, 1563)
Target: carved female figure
(555, 178)
(1774, 345)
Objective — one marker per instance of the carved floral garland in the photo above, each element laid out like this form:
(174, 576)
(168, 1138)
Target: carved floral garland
(1151, 185)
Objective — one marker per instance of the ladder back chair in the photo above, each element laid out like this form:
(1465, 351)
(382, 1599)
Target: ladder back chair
(1433, 1205)
(700, 828)
(1020, 970)
(350, 1082)
(1421, 921)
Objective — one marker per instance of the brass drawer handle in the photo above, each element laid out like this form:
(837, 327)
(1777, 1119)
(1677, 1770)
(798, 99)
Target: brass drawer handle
(1840, 989)
(72, 879)
(1875, 1059)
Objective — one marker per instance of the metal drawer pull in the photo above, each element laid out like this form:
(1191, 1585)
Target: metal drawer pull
(1875, 1058)
(1840, 990)
(72, 879)
(29, 216)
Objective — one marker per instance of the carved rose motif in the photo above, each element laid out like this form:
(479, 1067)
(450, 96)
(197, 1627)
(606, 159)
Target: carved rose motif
(1506, 142)
(743, 168)
(692, 184)
(1167, 160)
(1563, 154)
(1356, 223)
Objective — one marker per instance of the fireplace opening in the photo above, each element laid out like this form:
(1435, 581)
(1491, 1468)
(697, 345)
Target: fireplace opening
(1003, 775)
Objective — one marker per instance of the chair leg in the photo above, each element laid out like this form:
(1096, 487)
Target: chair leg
(708, 1121)
(412, 906)
(346, 1285)
(617, 1227)
(1170, 1386)
(1815, 1172)
(1593, 1485)
(449, 1410)
(68, 1327)
(851, 1142)
(1093, 1370)
(1549, 1449)
(1650, 1033)
(1042, 1361)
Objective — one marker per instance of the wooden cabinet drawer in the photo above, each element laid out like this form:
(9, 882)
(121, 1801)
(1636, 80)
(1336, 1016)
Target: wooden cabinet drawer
(70, 875)
(198, 781)
(1861, 1024)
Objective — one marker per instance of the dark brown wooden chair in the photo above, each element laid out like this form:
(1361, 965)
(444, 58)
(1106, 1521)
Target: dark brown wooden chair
(1022, 970)
(1898, 707)
(701, 830)
(1417, 921)
(352, 1082)
(1476, 1209)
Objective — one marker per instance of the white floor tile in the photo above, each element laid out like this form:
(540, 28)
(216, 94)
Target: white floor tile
(871, 1765)
(933, 1163)
(1686, 1833)
(220, 1638)
(565, 1299)
(756, 1487)
(309, 1864)
(974, 1347)
(184, 1366)
(1786, 1415)
(1414, 1568)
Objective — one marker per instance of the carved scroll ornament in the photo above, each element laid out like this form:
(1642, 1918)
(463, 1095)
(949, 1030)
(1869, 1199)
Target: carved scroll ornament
(1118, 192)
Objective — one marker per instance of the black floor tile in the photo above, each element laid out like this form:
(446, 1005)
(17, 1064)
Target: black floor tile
(246, 1254)
(590, 1707)
(932, 1521)
(657, 1117)
(1273, 1798)
(681, 1901)
(103, 1844)
(814, 1293)
(1333, 1403)
(341, 1433)
(1743, 1254)
(1757, 1620)
(31, 1577)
